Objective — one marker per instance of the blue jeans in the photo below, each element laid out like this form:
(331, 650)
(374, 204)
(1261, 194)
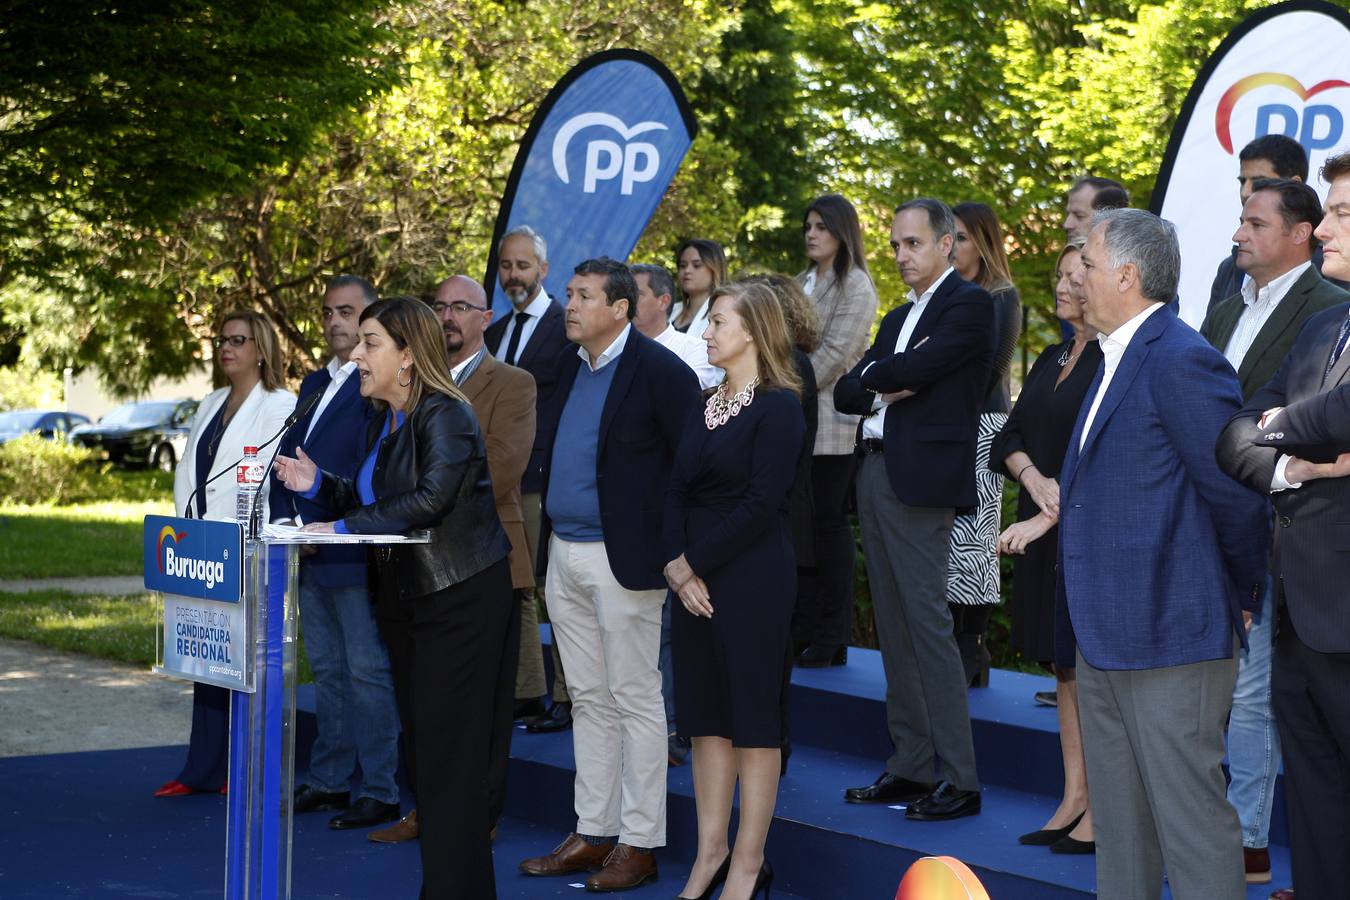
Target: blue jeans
(354, 691)
(1253, 741)
(667, 669)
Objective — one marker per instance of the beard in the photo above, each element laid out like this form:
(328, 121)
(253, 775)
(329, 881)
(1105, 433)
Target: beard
(518, 291)
(453, 341)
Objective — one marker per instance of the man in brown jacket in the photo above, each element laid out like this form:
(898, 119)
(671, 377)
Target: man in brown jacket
(503, 399)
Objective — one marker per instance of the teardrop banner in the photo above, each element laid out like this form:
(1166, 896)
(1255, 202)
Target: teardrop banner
(1284, 70)
(594, 164)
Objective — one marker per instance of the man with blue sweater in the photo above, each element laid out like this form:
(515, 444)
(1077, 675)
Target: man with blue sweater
(623, 403)
(356, 713)
(1161, 564)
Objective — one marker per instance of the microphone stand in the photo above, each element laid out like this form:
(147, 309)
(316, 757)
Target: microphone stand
(255, 511)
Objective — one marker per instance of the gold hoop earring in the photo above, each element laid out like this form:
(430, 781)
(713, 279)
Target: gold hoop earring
(399, 373)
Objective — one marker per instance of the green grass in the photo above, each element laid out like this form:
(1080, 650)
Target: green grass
(116, 628)
(64, 541)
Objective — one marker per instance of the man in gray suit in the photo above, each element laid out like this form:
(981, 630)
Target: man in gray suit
(1255, 328)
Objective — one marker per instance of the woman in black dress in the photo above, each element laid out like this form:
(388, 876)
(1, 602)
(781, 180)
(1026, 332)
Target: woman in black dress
(734, 570)
(1030, 449)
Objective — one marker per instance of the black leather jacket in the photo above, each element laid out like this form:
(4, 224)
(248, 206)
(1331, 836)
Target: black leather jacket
(431, 474)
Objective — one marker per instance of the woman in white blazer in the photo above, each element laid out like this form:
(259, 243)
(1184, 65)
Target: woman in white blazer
(247, 412)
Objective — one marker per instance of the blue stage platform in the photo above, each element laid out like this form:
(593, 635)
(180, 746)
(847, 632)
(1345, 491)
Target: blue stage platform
(84, 825)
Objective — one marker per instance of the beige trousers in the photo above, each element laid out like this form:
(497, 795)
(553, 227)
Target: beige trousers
(609, 638)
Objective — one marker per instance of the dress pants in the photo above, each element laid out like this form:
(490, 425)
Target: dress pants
(824, 611)
(532, 507)
(208, 759)
(610, 639)
(906, 549)
(353, 690)
(1153, 739)
(1312, 708)
(448, 651)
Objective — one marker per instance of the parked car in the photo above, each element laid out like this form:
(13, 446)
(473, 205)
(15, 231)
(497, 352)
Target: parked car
(146, 433)
(51, 424)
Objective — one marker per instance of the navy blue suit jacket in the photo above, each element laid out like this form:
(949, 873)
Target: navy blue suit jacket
(646, 410)
(542, 357)
(337, 445)
(930, 439)
(1159, 550)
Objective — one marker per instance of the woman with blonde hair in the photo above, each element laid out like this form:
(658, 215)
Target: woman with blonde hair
(733, 568)
(444, 607)
(249, 410)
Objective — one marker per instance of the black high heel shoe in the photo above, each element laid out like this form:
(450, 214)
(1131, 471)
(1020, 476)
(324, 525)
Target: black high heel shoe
(1047, 836)
(718, 877)
(763, 880)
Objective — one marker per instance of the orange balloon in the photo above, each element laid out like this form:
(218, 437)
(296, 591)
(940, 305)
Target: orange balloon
(940, 878)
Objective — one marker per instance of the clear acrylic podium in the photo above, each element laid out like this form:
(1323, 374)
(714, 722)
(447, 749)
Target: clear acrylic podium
(249, 646)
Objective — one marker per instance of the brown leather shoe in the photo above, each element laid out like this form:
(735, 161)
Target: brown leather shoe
(1283, 894)
(405, 829)
(1257, 864)
(627, 867)
(572, 855)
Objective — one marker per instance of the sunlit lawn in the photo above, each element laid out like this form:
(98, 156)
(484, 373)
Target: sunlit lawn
(116, 628)
(65, 541)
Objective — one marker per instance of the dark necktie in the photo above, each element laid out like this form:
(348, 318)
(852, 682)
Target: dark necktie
(1337, 350)
(514, 344)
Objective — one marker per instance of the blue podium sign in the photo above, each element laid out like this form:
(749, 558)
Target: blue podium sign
(194, 558)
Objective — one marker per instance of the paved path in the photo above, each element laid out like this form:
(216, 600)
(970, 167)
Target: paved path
(57, 702)
(106, 584)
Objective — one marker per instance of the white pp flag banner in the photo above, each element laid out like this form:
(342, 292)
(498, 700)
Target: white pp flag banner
(1283, 70)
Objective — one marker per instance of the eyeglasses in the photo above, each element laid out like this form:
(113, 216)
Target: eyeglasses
(459, 307)
(234, 340)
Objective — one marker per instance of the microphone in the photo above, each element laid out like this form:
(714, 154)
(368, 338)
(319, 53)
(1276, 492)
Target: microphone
(300, 412)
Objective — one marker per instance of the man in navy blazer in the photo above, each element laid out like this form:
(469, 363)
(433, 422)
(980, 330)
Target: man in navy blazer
(355, 712)
(920, 387)
(1293, 441)
(1161, 564)
(624, 402)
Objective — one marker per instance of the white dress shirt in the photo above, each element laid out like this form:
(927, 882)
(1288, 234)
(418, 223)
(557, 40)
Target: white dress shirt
(535, 310)
(1113, 348)
(612, 352)
(874, 426)
(1257, 308)
(694, 352)
(699, 323)
(338, 373)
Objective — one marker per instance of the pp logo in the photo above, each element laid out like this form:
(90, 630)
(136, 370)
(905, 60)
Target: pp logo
(1319, 127)
(632, 163)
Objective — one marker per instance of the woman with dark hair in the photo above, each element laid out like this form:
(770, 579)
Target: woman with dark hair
(1030, 450)
(733, 568)
(444, 607)
(251, 408)
(972, 568)
(846, 303)
(701, 266)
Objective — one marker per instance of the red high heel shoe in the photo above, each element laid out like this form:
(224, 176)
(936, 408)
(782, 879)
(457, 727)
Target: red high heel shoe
(173, 788)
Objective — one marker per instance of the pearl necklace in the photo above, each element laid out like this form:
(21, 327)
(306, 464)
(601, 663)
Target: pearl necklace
(721, 409)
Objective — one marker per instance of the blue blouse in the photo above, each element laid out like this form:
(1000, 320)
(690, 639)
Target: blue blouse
(365, 476)
(208, 445)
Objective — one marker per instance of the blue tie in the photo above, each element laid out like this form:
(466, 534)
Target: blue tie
(1337, 350)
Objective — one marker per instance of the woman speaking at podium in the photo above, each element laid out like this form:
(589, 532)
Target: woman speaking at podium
(245, 413)
(443, 607)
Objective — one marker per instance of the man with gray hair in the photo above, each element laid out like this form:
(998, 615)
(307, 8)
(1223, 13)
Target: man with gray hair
(532, 338)
(1161, 566)
(919, 388)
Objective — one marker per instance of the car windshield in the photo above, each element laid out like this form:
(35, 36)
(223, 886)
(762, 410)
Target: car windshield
(19, 421)
(138, 414)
